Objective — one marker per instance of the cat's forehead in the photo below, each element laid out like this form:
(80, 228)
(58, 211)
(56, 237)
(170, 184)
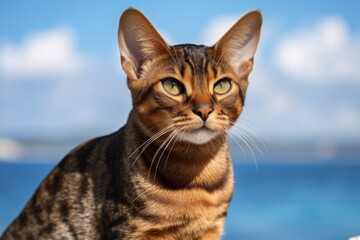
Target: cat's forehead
(196, 56)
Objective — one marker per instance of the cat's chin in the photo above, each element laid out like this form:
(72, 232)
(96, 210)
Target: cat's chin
(199, 136)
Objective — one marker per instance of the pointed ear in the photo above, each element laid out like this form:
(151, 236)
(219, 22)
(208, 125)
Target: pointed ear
(239, 43)
(138, 41)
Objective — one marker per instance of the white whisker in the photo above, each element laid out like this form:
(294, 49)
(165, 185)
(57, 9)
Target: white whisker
(247, 129)
(157, 152)
(246, 124)
(247, 138)
(149, 141)
(167, 145)
(249, 147)
(176, 139)
(237, 144)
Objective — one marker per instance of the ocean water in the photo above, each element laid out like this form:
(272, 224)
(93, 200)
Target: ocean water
(271, 201)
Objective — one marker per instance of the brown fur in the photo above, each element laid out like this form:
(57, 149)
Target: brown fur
(178, 184)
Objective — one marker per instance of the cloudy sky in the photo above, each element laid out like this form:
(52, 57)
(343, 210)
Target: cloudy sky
(60, 76)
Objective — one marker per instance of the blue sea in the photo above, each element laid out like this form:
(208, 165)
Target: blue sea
(271, 201)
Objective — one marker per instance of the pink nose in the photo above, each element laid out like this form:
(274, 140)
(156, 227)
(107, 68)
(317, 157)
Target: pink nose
(203, 110)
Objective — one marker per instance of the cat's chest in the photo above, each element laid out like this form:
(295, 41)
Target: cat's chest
(183, 214)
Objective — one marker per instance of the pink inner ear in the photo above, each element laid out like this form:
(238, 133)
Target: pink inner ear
(130, 47)
(133, 49)
(129, 68)
(242, 53)
(244, 68)
(138, 41)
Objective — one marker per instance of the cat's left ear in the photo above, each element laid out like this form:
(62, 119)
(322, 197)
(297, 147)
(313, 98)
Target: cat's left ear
(138, 41)
(239, 43)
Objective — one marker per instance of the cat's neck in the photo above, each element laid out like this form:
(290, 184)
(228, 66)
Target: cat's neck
(180, 165)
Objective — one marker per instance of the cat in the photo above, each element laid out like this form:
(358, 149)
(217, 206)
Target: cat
(167, 174)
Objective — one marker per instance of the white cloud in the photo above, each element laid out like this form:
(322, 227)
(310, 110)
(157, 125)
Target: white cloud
(216, 28)
(326, 52)
(279, 112)
(346, 118)
(283, 115)
(300, 121)
(9, 149)
(42, 54)
(95, 100)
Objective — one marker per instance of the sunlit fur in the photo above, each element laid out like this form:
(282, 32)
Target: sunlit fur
(167, 174)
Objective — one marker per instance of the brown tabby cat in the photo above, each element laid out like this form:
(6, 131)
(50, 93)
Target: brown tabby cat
(167, 174)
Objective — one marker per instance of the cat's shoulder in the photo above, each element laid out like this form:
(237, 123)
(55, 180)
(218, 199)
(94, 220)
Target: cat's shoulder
(91, 150)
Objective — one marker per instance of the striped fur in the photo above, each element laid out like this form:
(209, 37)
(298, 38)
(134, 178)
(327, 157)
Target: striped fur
(167, 174)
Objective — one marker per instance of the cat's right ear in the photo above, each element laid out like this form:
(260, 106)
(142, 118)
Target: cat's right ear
(138, 41)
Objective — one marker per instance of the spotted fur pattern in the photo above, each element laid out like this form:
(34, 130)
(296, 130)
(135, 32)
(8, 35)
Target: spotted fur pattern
(167, 174)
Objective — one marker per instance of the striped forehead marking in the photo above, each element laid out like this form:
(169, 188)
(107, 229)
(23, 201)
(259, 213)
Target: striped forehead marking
(196, 58)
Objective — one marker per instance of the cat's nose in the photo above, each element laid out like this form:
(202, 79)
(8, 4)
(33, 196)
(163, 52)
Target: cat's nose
(203, 110)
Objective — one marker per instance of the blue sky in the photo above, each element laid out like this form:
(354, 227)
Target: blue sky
(60, 76)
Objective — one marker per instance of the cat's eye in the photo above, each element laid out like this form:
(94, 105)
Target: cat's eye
(222, 86)
(173, 86)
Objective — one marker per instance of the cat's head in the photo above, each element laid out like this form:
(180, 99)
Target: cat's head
(189, 91)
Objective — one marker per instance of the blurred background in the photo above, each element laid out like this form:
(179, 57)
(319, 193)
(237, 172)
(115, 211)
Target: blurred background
(297, 161)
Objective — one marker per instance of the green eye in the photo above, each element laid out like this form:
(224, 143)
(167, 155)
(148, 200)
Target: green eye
(222, 86)
(173, 86)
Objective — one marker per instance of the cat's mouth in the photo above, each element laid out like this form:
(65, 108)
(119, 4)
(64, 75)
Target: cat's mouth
(202, 128)
(199, 135)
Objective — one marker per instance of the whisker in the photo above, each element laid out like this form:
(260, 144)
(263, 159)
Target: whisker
(237, 143)
(249, 147)
(167, 145)
(176, 139)
(248, 139)
(157, 152)
(256, 133)
(149, 141)
(245, 130)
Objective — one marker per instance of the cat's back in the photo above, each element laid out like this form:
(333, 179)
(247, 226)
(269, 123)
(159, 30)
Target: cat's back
(70, 201)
